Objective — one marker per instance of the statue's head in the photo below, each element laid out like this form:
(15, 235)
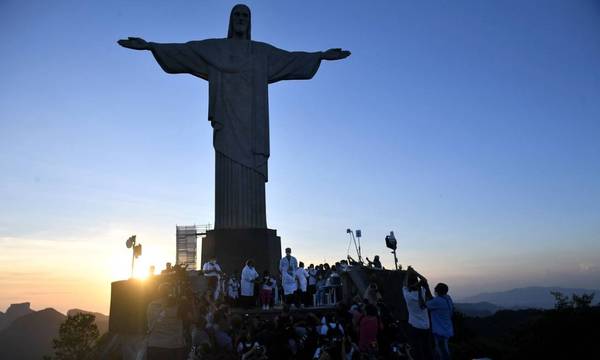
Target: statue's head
(239, 22)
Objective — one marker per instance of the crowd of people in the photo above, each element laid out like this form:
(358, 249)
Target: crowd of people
(294, 284)
(186, 325)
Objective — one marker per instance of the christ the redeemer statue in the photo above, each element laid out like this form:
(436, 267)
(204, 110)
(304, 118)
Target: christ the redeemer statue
(238, 71)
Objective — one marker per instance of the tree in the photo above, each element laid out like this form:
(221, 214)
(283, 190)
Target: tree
(76, 338)
(584, 301)
(561, 301)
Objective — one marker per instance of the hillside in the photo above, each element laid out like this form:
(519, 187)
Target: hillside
(528, 334)
(528, 297)
(30, 336)
(480, 309)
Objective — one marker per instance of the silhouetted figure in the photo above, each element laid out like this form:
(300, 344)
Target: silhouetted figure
(441, 308)
(168, 269)
(376, 263)
(414, 293)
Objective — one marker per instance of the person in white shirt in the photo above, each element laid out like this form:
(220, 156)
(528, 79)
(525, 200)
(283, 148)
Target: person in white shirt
(288, 263)
(249, 276)
(212, 274)
(418, 317)
(233, 289)
(288, 266)
(302, 277)
(289, 284)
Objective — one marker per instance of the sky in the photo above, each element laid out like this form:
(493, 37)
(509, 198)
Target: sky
(469, 128)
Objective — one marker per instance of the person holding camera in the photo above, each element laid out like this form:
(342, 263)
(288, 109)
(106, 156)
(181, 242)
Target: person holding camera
(415, 293)
(441, 308)
(249, 348)
(377, 262)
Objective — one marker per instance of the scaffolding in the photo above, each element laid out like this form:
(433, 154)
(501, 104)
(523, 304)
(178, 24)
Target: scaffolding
(186, 246)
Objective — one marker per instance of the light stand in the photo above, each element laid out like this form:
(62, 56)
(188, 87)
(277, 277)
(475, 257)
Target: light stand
(359, 235)
(356, 247)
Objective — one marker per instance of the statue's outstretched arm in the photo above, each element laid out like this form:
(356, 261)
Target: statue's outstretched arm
(135, 43)
(175, 58)
(335, 54)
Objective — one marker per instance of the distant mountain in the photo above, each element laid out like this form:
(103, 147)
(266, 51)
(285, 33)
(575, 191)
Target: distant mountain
(30, 336)
(14, 312)
(480, 309)
(528, 297)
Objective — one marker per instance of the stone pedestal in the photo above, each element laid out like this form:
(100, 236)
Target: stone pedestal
(232, 247)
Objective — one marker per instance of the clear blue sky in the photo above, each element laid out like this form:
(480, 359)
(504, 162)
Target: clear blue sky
(470, 128)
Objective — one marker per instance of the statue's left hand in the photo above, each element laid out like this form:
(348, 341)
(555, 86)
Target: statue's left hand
(335, 54)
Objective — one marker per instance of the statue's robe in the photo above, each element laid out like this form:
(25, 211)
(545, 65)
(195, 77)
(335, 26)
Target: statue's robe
(238, 72)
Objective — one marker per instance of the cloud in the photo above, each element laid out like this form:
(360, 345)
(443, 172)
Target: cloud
(589, 268)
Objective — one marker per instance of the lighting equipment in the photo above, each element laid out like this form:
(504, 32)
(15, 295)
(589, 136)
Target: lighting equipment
(136, 250)
(130, 242)
(391, 243)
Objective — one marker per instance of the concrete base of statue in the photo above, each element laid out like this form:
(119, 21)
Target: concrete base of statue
(232, 247)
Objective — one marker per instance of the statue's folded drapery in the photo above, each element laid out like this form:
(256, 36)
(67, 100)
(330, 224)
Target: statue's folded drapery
(238, 72)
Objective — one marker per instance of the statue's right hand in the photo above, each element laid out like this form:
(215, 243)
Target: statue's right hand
(134, 43)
